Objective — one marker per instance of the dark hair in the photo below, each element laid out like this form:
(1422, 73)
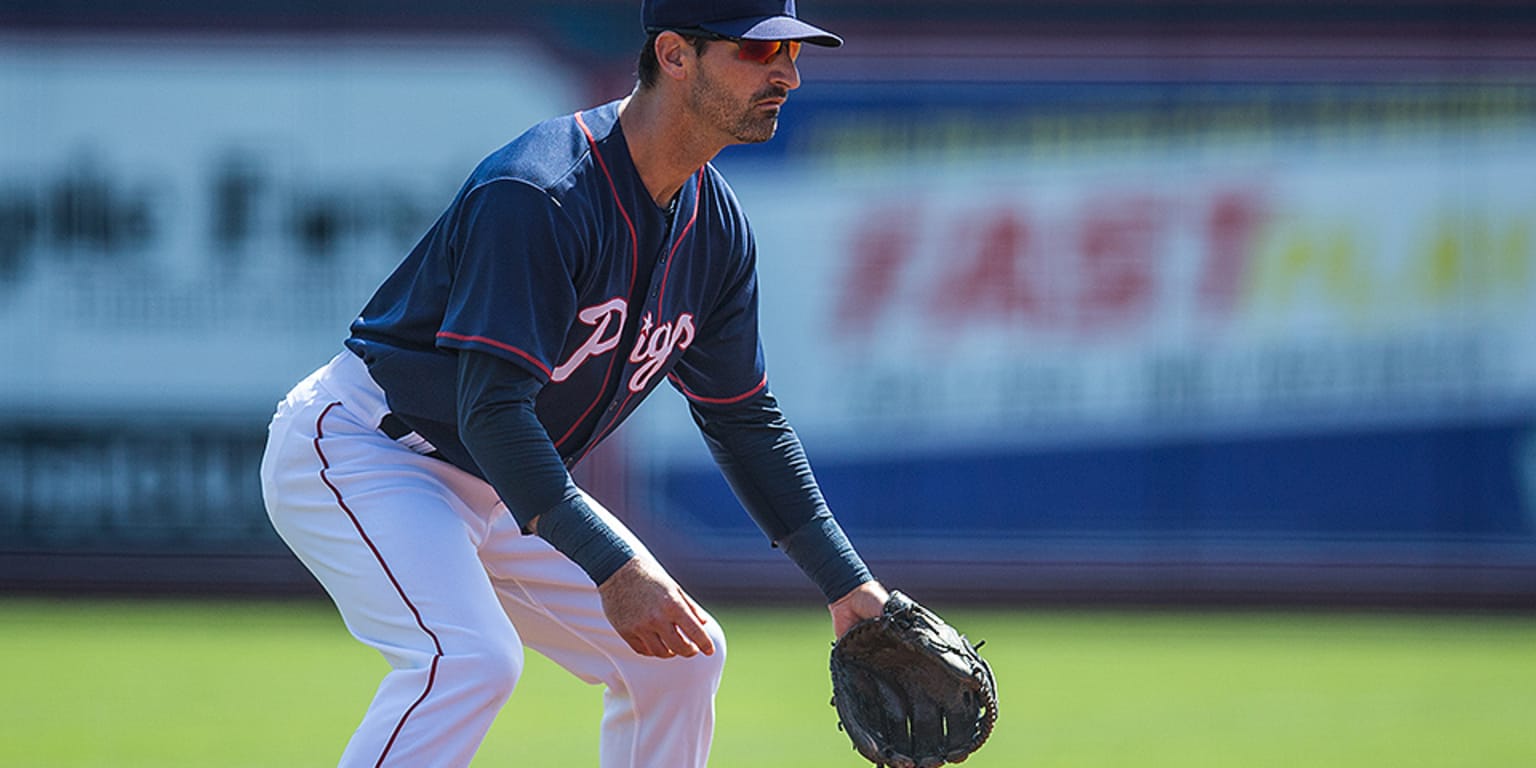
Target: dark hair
(648, 68)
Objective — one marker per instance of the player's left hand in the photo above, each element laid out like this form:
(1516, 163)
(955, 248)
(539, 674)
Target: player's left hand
(910, 690)
(866, 601)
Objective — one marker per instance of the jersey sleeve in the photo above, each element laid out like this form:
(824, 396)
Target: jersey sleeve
(513, 294)
(725, 365)
(763, 462)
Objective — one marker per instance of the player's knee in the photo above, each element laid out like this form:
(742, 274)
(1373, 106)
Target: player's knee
(717, 636)
(490, 670)
(693, 676)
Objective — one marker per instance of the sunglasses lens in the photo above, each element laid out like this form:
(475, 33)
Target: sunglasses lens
(763, 51)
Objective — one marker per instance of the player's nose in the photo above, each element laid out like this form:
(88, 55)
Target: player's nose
(785, 73)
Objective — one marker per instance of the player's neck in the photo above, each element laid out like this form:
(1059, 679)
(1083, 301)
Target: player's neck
(664, 146)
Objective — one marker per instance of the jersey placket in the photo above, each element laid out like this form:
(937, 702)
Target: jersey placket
(650, 320)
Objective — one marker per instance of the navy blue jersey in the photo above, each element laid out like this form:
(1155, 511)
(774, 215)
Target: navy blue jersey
(553, 256)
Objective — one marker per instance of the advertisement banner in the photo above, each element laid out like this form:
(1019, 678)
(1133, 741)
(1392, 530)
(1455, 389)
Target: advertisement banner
(1308, 312)
(188, 224)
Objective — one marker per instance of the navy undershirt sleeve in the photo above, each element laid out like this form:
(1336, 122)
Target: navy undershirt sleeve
(763, 461)
(499, 426)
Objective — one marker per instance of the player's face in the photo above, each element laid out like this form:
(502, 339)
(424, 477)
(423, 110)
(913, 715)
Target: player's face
(739, 96)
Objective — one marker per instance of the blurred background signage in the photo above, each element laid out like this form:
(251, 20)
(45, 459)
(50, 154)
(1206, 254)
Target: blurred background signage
(1150, 310)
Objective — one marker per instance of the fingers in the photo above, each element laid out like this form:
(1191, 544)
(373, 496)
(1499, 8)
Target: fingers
(867, 601)
(637, 644)
(664, 645)
(694, 629)
(649, 644)
(653, 615)
(687, 640)
(681, 634)
(674, 644)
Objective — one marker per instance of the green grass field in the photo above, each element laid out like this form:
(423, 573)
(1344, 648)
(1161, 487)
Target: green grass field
(173, 684)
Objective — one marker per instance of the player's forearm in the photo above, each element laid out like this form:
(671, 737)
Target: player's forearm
(766, 466)
(573, 528)
(827, 558)
(499, 426)
(511, 448)
(764, 463)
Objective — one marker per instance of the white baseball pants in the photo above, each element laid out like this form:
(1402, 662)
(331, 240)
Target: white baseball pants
(427, 566)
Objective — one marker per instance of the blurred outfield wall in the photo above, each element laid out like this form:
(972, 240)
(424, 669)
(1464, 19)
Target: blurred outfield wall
(1252, 320)
(1156, 313)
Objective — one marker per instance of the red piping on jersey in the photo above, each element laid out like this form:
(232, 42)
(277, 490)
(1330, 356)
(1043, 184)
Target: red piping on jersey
(437, 645)
(718, 400)
(634, 268)
(499, 345)
(698, 192)
(634, 241)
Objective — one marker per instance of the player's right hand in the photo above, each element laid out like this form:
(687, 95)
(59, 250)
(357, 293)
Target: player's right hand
(652, 613)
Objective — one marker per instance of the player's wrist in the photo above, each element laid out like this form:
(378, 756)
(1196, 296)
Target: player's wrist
(870, 592)
(824, 554)
(575, 529)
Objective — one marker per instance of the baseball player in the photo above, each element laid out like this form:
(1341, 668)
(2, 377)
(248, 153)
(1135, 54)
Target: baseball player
(422, 474)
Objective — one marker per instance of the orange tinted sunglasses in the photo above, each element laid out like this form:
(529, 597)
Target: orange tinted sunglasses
(763, 51)
(759, 51)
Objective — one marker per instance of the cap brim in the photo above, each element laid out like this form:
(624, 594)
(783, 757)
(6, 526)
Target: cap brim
(774, 28)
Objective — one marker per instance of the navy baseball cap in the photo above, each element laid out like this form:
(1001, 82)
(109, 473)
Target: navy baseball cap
(744, 19)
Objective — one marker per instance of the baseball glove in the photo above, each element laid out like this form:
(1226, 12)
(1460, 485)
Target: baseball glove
(910, 691)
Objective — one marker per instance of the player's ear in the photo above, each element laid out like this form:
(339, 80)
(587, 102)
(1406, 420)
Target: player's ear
(673, 52)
